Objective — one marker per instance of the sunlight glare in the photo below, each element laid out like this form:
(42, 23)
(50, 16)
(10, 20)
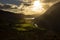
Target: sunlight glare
(37, 6)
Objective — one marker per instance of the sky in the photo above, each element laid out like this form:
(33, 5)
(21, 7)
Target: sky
(46, 1)
(17, 2)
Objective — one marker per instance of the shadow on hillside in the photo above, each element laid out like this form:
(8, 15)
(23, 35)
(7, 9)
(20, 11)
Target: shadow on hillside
(51, 21)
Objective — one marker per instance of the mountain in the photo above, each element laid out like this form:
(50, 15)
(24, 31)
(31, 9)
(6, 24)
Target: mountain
(50, 19)
(9, 19)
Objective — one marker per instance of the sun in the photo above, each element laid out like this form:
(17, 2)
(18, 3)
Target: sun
(37, 6)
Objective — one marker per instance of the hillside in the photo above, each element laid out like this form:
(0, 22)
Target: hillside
(50, 19)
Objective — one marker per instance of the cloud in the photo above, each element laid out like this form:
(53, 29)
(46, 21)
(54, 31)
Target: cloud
(46, 1)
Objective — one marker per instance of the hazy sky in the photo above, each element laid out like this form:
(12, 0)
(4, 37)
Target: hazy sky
(17, 2)
(50, 0)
